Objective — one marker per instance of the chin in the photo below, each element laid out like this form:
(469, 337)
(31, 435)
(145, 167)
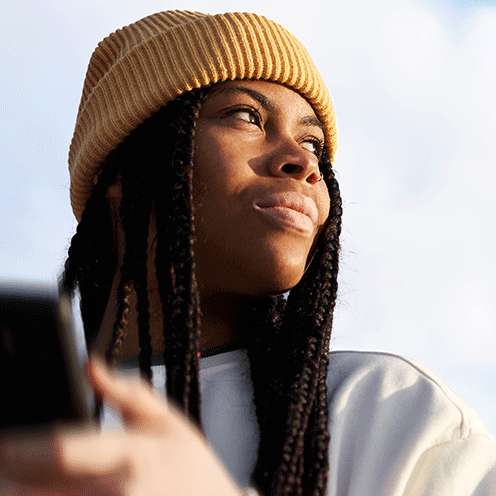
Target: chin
(268, 283)
(261, 272)
(273, 284)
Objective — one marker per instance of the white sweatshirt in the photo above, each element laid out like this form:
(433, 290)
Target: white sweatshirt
(396, 429)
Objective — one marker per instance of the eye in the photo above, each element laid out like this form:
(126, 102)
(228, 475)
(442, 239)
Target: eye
(313, 145)
(246, 114)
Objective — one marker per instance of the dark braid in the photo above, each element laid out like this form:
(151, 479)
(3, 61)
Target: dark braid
(91, 257)
(293, 372)
(289, 352)
(317, 442)
(134, 211)
(176, 272)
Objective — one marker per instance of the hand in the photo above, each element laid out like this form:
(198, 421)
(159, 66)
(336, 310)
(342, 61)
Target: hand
(159, 453)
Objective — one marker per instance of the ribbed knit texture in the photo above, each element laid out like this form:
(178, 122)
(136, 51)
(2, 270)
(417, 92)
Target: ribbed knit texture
(139, 68)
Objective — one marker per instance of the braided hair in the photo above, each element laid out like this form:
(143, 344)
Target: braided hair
(288, 353)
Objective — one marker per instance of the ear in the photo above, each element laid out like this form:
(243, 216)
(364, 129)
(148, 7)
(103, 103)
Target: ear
(114, 190)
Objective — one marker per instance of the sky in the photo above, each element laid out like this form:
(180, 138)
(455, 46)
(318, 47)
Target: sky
(412, 83)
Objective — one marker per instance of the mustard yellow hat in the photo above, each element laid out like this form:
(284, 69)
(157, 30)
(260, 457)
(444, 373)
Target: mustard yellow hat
(141, 67)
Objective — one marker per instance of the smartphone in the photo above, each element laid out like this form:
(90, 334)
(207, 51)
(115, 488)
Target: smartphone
(41, 375)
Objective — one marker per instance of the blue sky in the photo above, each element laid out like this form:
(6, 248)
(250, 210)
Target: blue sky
(413, 86)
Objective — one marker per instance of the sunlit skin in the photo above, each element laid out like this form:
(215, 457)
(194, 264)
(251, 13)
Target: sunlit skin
(253, 139)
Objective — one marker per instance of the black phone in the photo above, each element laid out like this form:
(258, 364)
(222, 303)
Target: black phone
(41, 374)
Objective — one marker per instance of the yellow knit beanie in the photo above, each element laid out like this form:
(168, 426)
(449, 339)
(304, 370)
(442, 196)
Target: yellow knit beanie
(139, 68)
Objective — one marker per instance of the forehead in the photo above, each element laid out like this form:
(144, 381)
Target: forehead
(272, 96)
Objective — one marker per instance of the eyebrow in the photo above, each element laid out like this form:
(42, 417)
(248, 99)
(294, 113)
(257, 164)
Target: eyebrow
(312, 121)
(256, 95)
(307, 121)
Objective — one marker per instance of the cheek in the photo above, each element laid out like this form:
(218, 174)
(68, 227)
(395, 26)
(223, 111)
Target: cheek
(221, 181)
(213, 169)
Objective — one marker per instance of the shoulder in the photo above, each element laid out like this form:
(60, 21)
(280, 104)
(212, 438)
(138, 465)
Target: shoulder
(400, 384)
(395, 423)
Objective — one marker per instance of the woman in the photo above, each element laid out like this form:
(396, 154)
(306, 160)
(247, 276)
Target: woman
(201, 176)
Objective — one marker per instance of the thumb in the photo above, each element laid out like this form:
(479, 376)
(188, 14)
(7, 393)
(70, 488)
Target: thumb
(133, 398)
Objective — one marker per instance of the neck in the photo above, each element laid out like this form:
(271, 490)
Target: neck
(222, 312)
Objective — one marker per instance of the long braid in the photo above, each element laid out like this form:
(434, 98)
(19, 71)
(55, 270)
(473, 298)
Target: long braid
(125, 284)
(91, 257)
(142, 223)
(134, 210)
(316, 465)
(177, 281)
(297, 376)
(317, 443)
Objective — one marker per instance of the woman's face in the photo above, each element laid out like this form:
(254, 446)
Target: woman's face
(259, 204)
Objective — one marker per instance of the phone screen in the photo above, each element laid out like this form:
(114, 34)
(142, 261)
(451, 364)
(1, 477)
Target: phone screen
(41, 375)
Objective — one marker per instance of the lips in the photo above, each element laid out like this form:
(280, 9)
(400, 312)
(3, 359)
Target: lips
(290, 209)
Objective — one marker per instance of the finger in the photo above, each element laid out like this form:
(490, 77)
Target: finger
(133, 399)
(95, 456)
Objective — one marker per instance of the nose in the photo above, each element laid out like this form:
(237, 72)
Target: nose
(291, 160)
